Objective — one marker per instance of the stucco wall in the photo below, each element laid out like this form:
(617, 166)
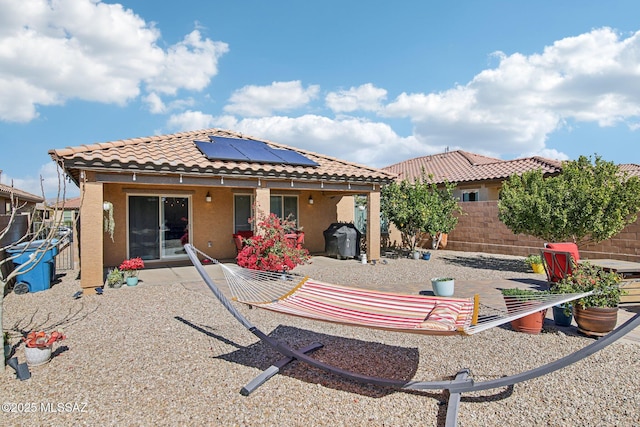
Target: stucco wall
(213, 222)
(480, 230)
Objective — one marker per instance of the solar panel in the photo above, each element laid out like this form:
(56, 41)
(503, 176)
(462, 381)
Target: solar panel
(247, 150)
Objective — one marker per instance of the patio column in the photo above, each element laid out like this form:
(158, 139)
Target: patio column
(263, 202)
(373, 226)
(91, 237)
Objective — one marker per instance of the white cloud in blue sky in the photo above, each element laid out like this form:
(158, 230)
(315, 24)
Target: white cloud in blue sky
(72, 71)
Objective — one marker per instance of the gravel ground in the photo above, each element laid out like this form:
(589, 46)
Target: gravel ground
(169, 354)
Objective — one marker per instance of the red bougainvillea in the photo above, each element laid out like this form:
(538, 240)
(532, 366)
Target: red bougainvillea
(269, 249)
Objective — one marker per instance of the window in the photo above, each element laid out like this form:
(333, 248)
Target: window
(470, 196)
(285, 207)
(242, 212)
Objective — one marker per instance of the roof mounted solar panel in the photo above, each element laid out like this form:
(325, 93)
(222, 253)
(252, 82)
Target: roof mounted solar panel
(248, 150)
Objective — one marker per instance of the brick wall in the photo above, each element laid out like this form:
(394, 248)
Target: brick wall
(479, 230)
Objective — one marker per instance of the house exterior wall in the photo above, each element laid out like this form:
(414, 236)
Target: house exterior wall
(213, 222)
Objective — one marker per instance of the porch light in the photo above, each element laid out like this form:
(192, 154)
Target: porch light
(310, 199)
(207, 198)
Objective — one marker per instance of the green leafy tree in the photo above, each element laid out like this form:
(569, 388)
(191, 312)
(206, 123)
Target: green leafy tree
(420, 207)
(587, 203)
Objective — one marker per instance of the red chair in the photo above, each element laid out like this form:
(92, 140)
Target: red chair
(559, 260)
(295, 240)
(239, 237)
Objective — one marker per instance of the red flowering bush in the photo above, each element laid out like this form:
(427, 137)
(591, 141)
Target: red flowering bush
(269, 249)
(131, 266)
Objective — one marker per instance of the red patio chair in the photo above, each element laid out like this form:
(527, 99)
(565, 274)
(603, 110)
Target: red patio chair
(238, 238)
(559, 259)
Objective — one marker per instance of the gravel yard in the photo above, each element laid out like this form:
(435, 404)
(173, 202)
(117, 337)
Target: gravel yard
(168, 353)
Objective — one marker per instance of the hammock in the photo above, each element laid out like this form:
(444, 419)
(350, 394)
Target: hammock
(423, 314)
(378, 309)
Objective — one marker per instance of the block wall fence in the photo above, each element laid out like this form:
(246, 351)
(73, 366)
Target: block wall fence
(480, 230)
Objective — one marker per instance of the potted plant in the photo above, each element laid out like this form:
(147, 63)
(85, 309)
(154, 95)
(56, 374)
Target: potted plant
(38, 345)
(563, 314)
(515, 297)
(130, 268)
(115, 278)
(595, 314)
(535, 261)
(443, 286)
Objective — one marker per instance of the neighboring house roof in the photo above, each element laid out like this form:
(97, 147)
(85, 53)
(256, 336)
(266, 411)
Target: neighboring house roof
(177, 153)
(461, 166)
(631, 169)
(69, 204)
(6, 190)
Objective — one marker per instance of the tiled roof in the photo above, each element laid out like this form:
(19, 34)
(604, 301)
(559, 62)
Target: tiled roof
(177, 153)
(631, 169)
(68, 204)
(462, 166)
(6, 190)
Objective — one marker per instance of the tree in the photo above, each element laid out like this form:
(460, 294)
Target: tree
(587, 203)
(420, 207)
(41, 236)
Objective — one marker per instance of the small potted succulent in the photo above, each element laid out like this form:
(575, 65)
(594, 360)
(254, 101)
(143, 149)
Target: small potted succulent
(115, 278)
(130, 269)
(443, 286)
(535, 261)
(38, 345)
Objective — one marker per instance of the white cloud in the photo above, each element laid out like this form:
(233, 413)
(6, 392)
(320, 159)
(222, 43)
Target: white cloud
(190, 120)
(515, 107)
(366, 97)
(256, 101)
(88, 50)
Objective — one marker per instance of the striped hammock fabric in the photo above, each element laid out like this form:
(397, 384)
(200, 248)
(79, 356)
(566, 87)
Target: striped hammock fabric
(382, 310)
(423, 314)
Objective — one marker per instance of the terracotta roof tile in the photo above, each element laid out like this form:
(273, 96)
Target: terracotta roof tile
(462, 166)
(177, 152)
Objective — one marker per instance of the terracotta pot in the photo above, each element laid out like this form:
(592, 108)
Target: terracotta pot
(596, 321)
(531, 323)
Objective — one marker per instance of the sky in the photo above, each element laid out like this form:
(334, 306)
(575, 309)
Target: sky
(373, 82)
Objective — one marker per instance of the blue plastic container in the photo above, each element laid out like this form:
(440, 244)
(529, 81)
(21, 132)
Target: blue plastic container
(39, 278)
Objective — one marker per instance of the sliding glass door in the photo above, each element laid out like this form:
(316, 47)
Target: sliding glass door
(158, 226)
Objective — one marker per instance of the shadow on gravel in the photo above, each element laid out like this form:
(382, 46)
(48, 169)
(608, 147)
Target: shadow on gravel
(486, 262)
(362, 357)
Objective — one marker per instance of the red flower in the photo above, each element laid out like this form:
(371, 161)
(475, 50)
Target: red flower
(269, 250)
(130, 266)
(41, 339)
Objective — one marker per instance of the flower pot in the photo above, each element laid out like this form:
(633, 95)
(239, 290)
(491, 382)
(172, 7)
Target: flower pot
(538, 268)
(560, 318)
(442, 288)
(416, 255)
(530, 324)
(132, 281)
(595, 321)
(37, 355)
(426, 256)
